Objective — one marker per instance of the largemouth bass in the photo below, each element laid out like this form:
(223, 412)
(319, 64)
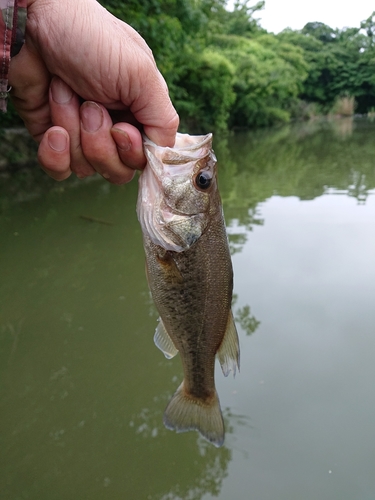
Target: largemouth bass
(189, 271)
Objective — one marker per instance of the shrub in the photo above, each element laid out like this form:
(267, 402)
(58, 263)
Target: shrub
(344, 106)
(206, 92)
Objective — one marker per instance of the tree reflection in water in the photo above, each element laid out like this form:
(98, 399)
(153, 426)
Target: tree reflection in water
(304, 160)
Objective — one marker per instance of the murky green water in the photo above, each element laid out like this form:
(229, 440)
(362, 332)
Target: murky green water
(83, 388)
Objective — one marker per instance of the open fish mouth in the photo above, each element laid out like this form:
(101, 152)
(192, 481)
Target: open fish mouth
(170, 209)
(177, 160)
(167, 227)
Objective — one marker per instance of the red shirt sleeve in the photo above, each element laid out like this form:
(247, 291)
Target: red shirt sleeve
(12, 35)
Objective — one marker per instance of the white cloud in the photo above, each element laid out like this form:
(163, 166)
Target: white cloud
(278, 14)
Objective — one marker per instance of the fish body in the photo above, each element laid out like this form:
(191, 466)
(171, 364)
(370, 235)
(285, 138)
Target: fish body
(190, 276)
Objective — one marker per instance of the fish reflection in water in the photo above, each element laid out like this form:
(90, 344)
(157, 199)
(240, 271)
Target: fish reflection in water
(190, 276)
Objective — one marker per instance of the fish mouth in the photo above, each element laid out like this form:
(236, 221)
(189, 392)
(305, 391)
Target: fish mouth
(155, 194)
(177, 160)
(168, 226)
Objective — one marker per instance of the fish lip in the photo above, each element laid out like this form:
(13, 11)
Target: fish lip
(174, 211)
(179, 137)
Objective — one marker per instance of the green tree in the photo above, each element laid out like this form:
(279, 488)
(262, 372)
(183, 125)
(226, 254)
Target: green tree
(206, 92)
(268, 76)
(341, 63)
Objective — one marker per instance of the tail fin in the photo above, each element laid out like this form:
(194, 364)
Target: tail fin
(185, 413)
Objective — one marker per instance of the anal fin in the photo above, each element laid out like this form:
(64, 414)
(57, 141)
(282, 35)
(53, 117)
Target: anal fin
(229, 351)
(164, 342)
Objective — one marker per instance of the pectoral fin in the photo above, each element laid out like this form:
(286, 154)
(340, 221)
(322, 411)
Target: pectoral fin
(229, 351)
(169, 267)
(164, 342)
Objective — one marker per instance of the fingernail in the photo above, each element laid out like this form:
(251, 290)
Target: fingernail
(91, 116)
(121, 138)
(61, 92)
(57, 141)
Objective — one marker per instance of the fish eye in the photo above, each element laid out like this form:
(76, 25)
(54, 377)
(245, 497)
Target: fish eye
(203, 180)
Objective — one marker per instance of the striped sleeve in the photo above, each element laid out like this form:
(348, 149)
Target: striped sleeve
(12, 36)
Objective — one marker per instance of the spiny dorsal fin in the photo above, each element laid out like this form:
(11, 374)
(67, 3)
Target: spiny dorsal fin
(164, 342)
(229, 351)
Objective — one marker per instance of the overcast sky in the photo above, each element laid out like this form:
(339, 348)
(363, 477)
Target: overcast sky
(280, 14)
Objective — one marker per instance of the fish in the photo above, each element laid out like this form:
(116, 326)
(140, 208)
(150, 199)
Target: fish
(190, 276)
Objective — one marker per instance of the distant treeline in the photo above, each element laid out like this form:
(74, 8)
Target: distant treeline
(225, 71)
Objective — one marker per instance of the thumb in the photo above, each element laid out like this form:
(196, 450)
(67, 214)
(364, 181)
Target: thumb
(155, 111)
(164, 135)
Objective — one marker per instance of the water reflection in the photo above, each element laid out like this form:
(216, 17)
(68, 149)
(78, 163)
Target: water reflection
(83, 388)
(305, 160)
(246, 320)
(343, 127)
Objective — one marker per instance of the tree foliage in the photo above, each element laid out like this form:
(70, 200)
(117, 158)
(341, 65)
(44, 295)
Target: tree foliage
(206, 91)
(341, 62)
(268, 76)
(223, 70)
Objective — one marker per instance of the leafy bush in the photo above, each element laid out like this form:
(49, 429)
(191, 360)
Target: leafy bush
(206, 92)
(267, 78)
(344, 106)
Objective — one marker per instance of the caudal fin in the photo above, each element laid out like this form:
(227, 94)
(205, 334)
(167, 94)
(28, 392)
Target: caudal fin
(185, 413)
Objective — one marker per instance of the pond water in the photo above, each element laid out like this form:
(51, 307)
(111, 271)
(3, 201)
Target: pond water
(83, 388)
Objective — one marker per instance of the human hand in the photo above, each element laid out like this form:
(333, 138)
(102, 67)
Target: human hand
(78, 51)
